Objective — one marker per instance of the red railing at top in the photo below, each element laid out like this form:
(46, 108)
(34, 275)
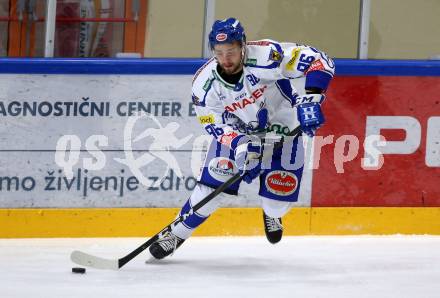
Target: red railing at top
(73, 20)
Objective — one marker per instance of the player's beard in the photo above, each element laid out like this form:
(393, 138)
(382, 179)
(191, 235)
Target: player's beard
(232, 69)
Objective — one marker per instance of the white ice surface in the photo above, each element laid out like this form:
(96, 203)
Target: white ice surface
(366, 266)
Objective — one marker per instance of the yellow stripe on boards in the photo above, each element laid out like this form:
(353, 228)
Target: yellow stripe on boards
(375, 220)
(140, 222)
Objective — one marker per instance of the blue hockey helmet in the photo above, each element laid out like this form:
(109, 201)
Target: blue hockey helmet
(226, 31)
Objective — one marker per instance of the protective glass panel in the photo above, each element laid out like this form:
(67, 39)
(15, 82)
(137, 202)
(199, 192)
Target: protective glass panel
(404, 29)
(332, 26)
(4, 12)
(35, 27)
(76, 37)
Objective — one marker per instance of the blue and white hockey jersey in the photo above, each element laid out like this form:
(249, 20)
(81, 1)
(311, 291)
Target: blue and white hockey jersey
(263, 100)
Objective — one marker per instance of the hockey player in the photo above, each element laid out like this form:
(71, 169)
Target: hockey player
(242, 94)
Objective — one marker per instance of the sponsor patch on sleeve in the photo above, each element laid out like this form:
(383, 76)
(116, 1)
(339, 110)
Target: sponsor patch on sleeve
(208, 119)
(251, 61)
(316, 65)
(207, 84)
(258, 43)
(290, 65)
(227, 138)
(275, 55)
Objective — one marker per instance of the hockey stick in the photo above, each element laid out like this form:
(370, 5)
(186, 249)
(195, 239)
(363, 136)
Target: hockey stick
(85, 259)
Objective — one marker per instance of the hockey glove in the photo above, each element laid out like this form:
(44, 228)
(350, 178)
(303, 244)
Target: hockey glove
(310, 117)
(308, 98)
(248, 159)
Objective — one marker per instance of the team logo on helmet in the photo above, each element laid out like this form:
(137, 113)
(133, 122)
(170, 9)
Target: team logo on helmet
(221, 37)
(224, 31)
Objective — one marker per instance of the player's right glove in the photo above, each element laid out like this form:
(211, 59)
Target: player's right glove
(248, 156)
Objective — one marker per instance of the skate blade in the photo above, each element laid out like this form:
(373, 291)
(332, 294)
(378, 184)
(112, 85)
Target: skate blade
(152, 260)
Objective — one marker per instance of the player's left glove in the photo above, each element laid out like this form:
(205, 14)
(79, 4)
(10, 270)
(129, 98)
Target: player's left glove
(308, 98)
(310, 117)
(309, 112)
(248, 158)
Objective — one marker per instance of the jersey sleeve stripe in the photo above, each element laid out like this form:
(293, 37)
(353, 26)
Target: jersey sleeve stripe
(201, 68)
(286, 91)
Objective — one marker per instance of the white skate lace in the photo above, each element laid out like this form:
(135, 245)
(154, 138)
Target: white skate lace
(169, 242)
(273, 224)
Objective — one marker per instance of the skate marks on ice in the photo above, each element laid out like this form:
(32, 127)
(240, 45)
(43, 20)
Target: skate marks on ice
(393, 266)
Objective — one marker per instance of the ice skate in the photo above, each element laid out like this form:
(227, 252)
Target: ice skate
(165, 246)
(273, 228)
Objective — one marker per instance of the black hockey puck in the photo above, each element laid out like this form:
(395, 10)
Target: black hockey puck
(78, 270)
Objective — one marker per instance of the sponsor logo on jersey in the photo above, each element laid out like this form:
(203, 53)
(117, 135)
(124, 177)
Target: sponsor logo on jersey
(227, 138)
(243, 103)
(278, 129)
(251, 61)
(316, 65)
(290, 65)
(241, 96)
(275, 55)
(207, 84)
(208, 119)
(226, 166)
(221, 37)
(258, 43)
(281, 183)
(221, 168)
